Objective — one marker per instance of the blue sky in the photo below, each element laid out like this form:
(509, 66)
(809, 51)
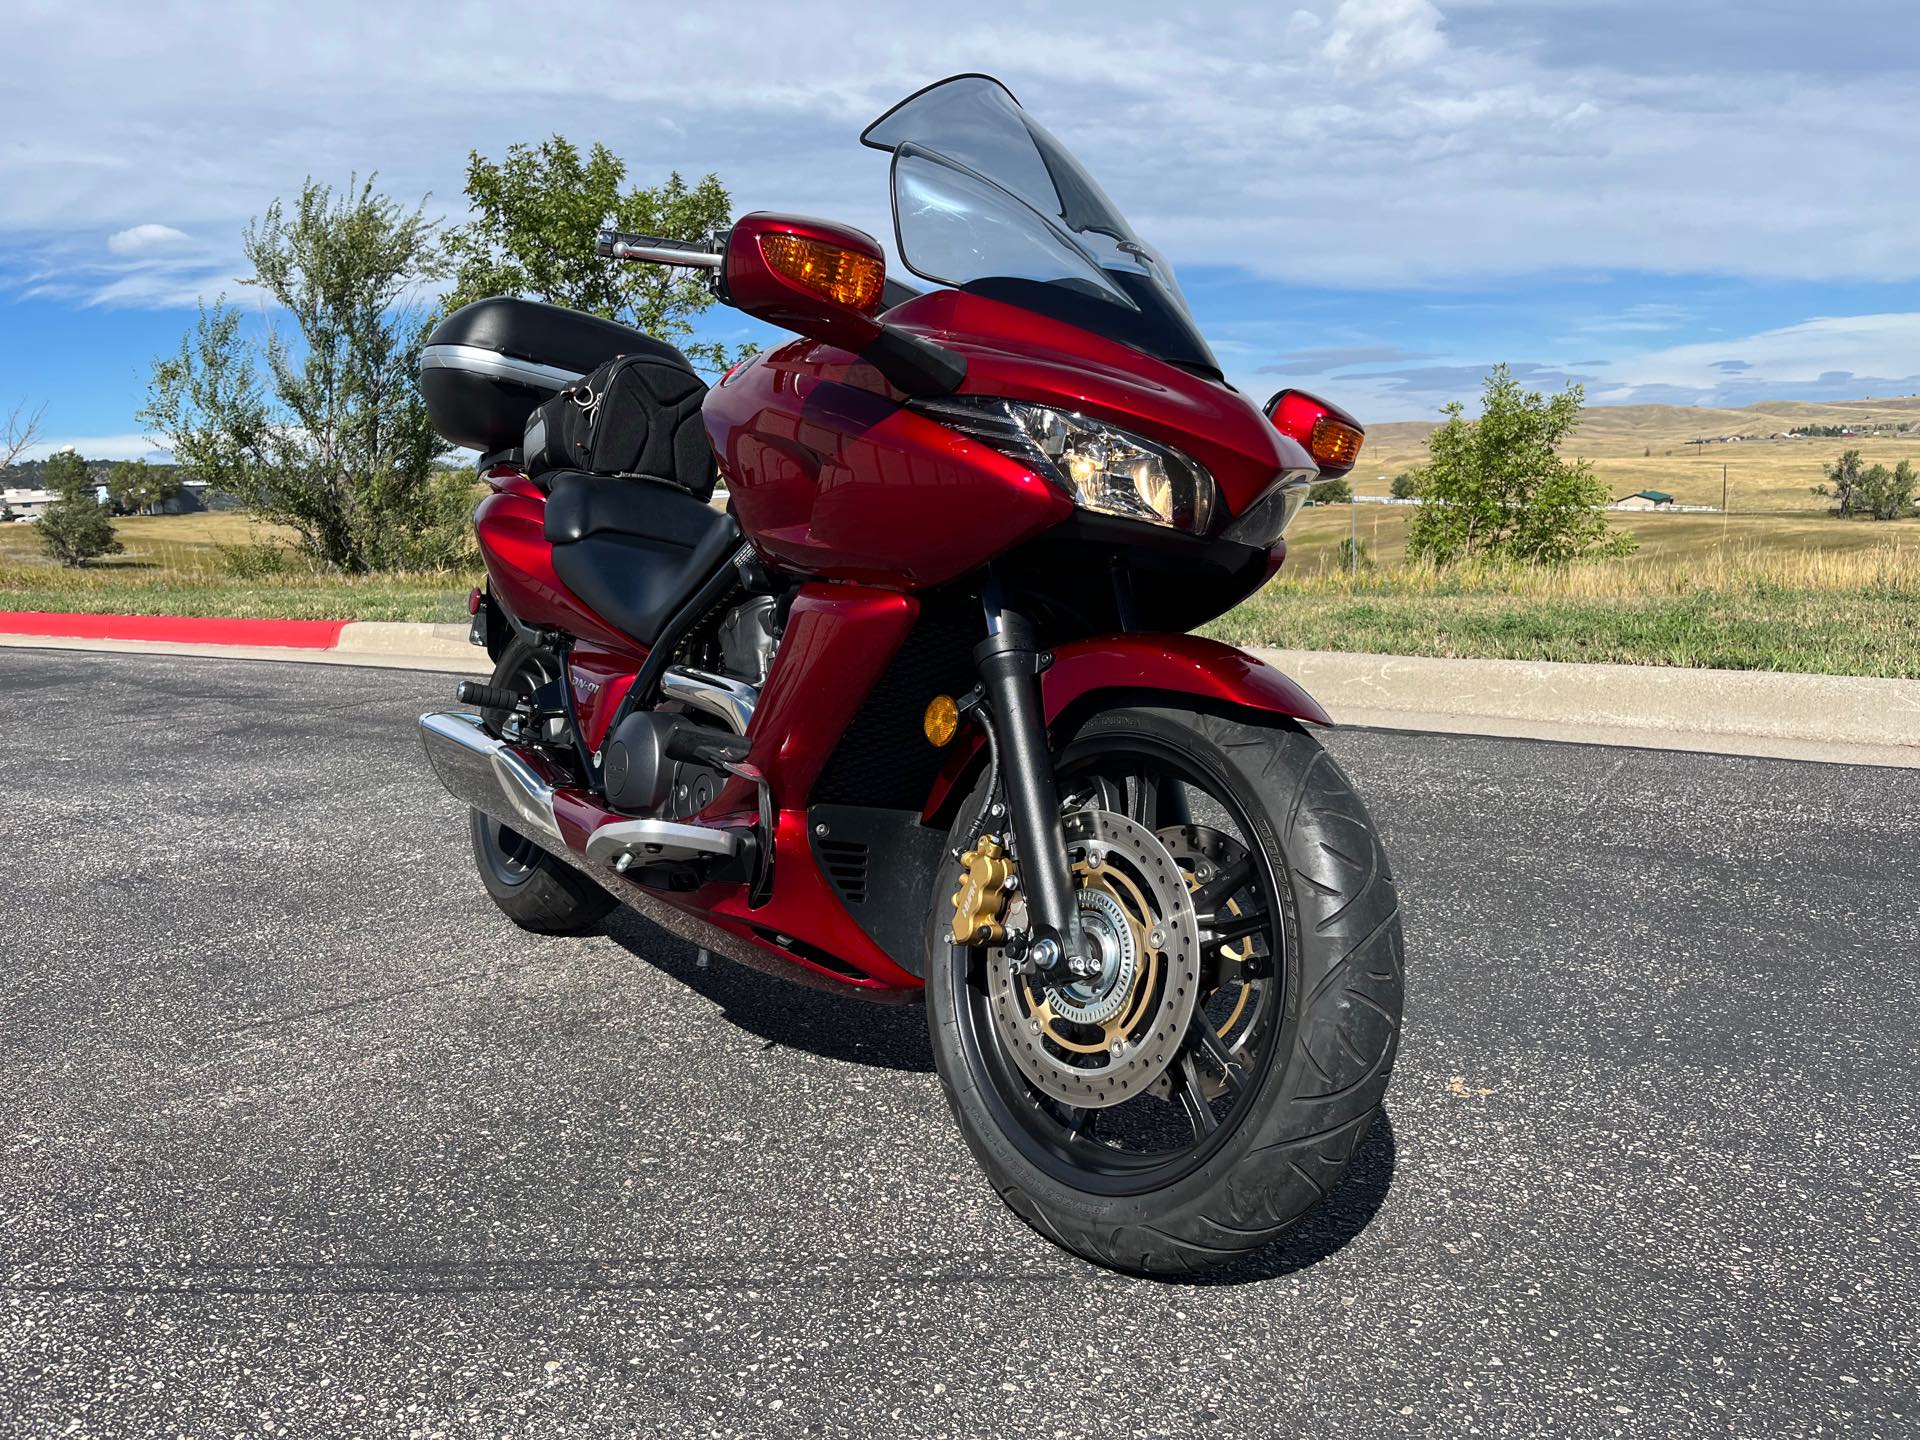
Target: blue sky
(1702, 202)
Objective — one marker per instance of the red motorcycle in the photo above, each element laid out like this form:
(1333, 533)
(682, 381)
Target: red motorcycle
(915, 713)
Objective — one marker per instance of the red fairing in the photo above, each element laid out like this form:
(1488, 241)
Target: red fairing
(831, 476)
(1020, 355)
(510, 525)
(1181, 665)
(600, 680)
(838, 640)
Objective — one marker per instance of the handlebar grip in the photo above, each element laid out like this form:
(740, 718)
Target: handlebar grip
(657, 249)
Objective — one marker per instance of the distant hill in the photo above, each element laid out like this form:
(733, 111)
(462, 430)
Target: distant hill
(1637, 447)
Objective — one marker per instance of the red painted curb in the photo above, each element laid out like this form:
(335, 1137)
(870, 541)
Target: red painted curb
(180, 629)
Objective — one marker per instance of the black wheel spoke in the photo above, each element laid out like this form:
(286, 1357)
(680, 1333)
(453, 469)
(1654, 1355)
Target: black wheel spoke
(1207, 1040)
(1169, 803)
(1221, 929)
(1193, 1098)
(1221, 887)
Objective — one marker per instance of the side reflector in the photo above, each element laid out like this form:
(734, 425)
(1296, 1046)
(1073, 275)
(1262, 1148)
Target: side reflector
(845, 277)
(942, 720)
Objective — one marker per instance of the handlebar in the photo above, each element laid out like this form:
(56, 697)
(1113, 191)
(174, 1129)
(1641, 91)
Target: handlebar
(655, 249)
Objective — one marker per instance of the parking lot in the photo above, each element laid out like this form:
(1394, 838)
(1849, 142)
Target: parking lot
(300, 1134)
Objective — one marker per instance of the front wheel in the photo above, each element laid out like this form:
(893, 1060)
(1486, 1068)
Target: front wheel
(1212, 1084)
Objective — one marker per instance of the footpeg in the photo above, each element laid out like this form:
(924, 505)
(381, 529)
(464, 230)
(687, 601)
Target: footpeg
(626, 843)
(489, 697)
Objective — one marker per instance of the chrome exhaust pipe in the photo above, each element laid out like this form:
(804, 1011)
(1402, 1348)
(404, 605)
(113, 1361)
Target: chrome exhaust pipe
(490, 776)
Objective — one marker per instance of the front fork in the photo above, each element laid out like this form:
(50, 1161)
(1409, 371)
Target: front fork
(1010, 663)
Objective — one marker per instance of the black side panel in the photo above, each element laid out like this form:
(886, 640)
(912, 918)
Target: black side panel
(883, 863)
(884, 758)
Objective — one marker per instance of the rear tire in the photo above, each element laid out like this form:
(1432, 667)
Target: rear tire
(1310, 1088)
(535, 890)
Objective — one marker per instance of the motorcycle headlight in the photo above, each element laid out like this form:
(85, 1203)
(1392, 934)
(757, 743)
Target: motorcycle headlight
(1102, 467)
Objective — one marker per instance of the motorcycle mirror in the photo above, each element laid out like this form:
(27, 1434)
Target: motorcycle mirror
(813, 277)
(1328, 433)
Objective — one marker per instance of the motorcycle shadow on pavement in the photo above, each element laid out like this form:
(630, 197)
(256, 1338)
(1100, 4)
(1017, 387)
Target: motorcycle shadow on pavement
(894, 1037)
(834, 1027)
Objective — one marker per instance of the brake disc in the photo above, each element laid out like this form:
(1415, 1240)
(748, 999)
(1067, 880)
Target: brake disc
(1098, 1042)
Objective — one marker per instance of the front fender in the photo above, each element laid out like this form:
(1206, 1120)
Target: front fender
(1180, 666)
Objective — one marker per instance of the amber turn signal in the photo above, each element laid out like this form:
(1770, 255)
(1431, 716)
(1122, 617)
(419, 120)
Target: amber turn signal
(845, 277)
(1334, 445)
(942, 721)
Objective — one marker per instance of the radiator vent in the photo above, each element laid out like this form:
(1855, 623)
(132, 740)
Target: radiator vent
(846, 864)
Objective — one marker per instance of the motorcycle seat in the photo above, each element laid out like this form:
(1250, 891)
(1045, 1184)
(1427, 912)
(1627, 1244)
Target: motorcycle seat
(634, 549)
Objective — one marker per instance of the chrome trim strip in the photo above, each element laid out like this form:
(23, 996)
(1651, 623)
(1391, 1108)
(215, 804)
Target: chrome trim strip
(720, 695)
(652, 841)
(473, 360)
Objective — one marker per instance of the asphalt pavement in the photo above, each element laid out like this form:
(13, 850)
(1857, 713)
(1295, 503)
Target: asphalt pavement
(302, 1137)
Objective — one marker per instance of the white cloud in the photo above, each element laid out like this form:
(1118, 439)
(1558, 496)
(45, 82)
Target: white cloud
(1371, 142)
(1376, 37)
(1836, 358)
(141, 239)
(1880, 346)
(100, 447)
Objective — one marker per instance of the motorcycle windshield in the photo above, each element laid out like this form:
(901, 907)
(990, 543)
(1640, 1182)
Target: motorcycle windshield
(986, 200)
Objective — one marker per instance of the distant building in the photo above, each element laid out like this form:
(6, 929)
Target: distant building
(1645, 500)
(26, 504)
(31, 504)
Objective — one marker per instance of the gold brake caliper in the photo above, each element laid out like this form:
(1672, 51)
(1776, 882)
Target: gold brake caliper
(981, 898)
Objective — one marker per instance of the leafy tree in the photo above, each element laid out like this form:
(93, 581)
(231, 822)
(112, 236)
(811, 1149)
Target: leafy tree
(75, 528)
(1844, 478)
(1497, 487)
(537, 215)
(1405, 485)
(1887, 494)
(1330, 492)
(134, 485)
(326, 434)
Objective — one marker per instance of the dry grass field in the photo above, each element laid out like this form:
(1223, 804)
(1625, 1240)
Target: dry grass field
(1778, 584)
(1640, 447)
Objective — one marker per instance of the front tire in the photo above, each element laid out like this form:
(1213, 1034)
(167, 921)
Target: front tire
(537, 891)
(1278, 1122)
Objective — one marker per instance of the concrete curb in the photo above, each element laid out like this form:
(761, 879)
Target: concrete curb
(1831, 718)
(1743, 712)
(382, 644)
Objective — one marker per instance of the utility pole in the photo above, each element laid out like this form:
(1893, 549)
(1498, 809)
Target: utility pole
(1723, 489)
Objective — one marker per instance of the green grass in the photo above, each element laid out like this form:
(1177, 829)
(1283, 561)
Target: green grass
(1782, 592)
(172, 566)
(1814, 632)
(1808, 594)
